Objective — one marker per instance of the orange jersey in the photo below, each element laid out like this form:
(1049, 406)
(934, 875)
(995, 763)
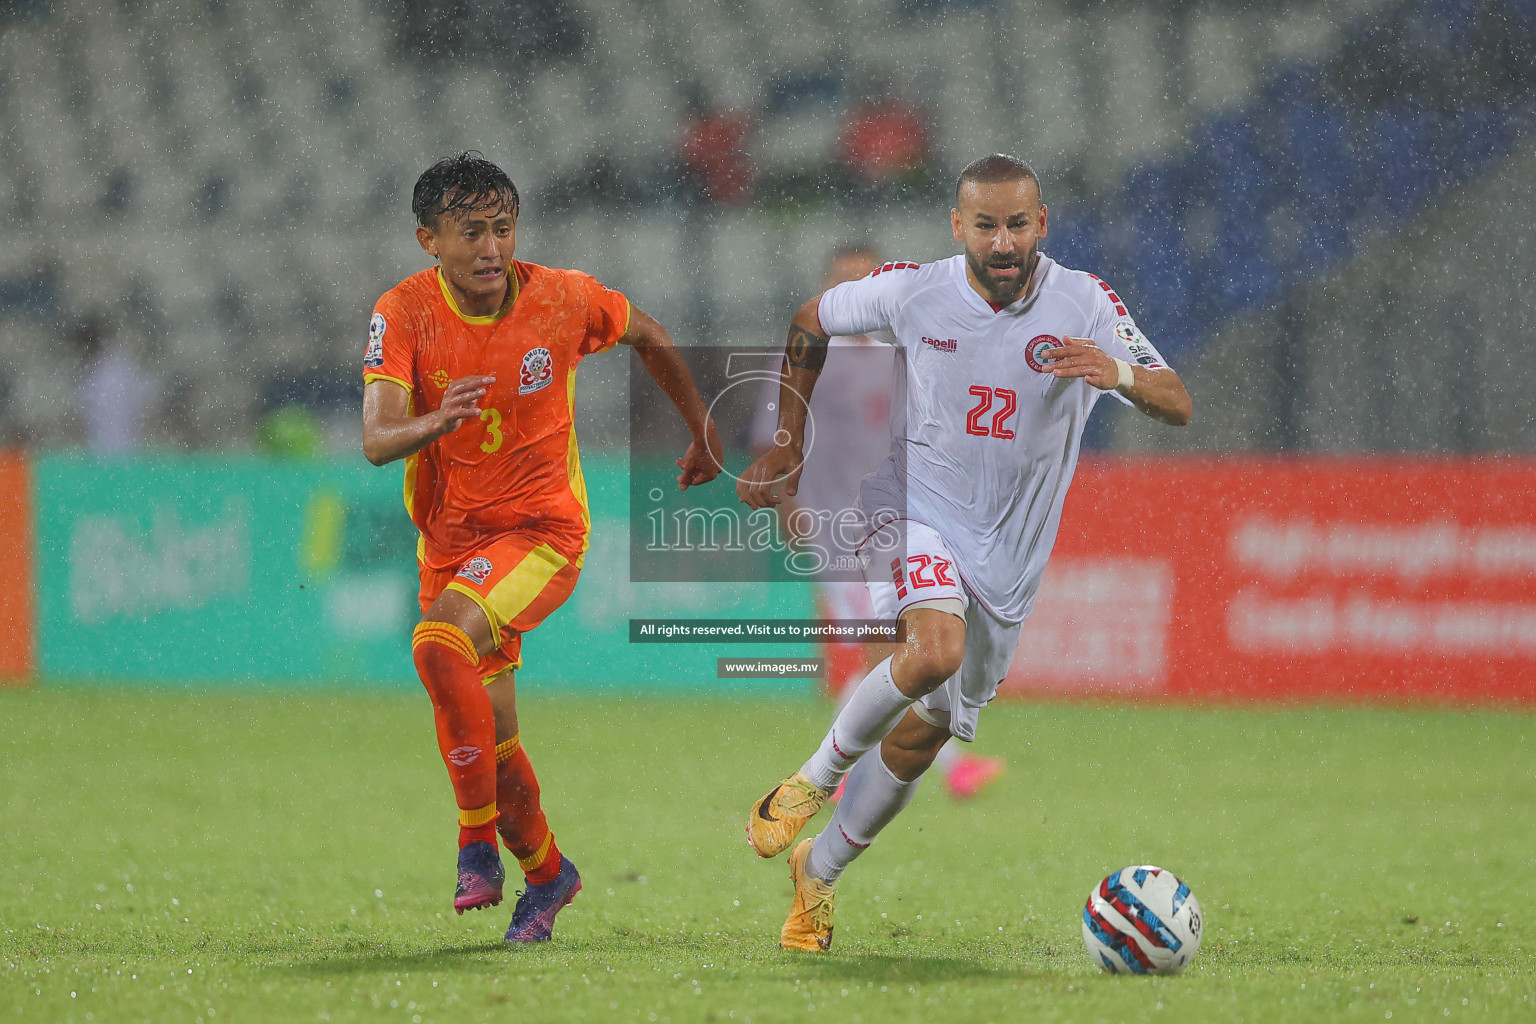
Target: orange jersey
(516, 468)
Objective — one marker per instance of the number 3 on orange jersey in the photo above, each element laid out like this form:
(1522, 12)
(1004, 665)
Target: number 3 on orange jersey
(492, 420)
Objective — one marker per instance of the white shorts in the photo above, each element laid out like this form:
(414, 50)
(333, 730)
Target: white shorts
(928, 574)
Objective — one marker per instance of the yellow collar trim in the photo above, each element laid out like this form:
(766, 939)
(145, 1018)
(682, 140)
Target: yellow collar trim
(506, 307)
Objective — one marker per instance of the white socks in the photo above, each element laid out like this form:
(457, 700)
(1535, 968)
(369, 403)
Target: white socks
(871, 800)
(872, 712)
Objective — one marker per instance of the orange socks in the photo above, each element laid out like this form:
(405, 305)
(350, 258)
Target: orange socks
(524, 830)
(466, 727)
(483, 781)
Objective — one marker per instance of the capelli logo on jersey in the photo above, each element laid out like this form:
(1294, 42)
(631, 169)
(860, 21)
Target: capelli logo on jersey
(538, 371)
(943, 344)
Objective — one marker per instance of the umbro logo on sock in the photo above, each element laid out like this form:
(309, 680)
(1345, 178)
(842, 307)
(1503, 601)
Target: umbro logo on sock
(462, 756)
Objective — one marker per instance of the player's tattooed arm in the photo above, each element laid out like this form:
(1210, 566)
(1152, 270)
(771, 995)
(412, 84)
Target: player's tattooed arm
(806, 348)
(805, 353)
(776, 473)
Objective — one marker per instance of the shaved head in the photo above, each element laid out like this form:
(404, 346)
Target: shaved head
(1000, 220)
(994, 170)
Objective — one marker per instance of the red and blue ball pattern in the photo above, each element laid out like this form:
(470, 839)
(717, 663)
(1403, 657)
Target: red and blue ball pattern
(1142, 920)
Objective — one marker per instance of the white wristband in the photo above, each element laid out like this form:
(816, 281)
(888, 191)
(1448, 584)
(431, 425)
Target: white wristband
(1127, 375)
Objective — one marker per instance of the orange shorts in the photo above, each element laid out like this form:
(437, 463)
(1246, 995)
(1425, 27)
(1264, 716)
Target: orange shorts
(517, 579)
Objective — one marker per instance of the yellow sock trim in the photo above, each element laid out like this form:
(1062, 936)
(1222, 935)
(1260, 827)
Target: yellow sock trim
(540, 855)
(447, 634)
(478, 816)
(504, 751)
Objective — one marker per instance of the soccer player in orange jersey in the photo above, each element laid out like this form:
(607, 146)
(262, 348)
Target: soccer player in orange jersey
(470, 376)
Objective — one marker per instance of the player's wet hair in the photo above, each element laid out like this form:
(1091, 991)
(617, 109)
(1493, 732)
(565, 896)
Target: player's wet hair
(457, 184)
(997, 168)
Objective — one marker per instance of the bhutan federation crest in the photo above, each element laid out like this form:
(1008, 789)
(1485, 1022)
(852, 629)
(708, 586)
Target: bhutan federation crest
(476, 570)
(537, 371)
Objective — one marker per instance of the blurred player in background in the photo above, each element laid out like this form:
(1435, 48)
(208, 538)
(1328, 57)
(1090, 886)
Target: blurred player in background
(470, 376)
(852, 411)
(1005, 353)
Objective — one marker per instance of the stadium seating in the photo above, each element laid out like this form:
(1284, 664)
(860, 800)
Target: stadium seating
(253, 199)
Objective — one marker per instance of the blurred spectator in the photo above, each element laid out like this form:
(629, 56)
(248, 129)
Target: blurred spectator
(115, 392)
(884, 145)
(850, 432)
(713, 149)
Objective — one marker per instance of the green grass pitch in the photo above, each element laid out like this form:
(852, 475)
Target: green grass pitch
(267, 857)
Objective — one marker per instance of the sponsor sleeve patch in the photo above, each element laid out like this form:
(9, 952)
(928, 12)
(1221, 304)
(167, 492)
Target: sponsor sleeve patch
(1136, 343)
(373, 358)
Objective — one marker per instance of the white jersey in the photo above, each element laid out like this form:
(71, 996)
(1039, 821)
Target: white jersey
(990, 439)
(850, 417)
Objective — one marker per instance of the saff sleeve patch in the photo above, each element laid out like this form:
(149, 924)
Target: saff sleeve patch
(1135, 342)
(373, 358)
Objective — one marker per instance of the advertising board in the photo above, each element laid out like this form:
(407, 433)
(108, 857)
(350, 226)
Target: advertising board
(1353, 579)
(207, 570)
(16, 644)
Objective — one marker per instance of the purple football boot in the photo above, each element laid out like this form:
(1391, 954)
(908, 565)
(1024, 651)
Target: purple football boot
(480, 877)
(533, 919)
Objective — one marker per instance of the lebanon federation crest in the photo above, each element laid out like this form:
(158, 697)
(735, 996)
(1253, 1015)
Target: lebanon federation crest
(1038, 344)
(537, 372)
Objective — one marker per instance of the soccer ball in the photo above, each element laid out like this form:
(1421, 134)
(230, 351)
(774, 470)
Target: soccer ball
(1142, 920)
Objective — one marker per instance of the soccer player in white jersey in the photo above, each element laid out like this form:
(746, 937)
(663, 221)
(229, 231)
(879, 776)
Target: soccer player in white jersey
(1005, 353)
(851, 410)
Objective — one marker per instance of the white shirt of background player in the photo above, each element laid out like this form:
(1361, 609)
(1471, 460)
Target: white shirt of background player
(851, 422)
